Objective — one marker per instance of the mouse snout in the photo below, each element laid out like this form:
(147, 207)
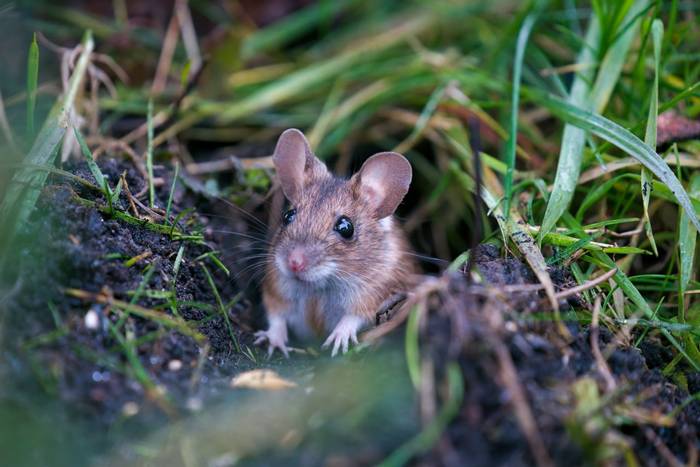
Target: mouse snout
(296, 260)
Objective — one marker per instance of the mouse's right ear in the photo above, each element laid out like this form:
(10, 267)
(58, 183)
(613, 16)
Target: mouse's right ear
(295, 163)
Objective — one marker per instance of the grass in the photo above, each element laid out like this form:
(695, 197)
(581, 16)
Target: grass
(565, 96)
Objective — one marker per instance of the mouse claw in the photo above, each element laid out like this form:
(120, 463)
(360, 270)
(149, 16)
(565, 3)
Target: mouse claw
(344, 332)
(276, 336)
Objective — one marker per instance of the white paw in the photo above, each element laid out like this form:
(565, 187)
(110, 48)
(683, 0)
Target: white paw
(344, 332)
(276, 336)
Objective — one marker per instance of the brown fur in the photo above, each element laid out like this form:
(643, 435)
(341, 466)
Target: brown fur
(369, 267)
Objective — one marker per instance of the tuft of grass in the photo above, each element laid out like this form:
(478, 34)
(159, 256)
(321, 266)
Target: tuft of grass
(623, 139)
(23, 191)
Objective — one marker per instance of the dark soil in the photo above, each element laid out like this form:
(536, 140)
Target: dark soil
(72, 246)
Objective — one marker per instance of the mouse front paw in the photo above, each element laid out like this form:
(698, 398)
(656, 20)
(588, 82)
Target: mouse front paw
(276, 336)
(344, 332)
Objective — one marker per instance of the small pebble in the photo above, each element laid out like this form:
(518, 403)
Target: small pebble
(194, 404)
(92, 320)
(175, 365)
(130, 409)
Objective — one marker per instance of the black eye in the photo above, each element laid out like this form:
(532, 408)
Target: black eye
(288, 217)
(344, 227)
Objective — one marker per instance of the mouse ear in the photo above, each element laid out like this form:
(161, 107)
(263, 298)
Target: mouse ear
(383, 181)
(296, 164)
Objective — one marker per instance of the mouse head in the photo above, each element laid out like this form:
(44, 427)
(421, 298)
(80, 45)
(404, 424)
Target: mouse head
(334, 228)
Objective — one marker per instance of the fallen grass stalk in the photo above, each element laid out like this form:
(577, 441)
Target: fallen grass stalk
(169, 230)
(159, 317)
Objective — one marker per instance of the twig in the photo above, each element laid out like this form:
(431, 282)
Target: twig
(586, 285)
(383, 314)
(425, 288)
(166, 54)
(229, 163)
(662, 449)
(129, 197)
(189, 36)
(523, 412)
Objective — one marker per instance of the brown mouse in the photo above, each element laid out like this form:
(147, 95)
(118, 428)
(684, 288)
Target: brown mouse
(338, 253)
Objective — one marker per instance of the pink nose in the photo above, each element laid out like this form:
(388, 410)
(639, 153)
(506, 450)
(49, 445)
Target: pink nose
(296, 260)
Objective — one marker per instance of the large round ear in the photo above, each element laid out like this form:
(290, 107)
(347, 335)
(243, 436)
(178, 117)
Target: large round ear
(295, 163)
(383, 181)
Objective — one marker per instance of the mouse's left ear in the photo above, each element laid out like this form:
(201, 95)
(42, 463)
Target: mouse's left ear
(383, 181)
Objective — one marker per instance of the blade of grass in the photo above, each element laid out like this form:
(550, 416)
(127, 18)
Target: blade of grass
(657, 32)
(172, 193)
(92, 165)
(585, 97)
(573, 138)
(412, 346)
(621, 138)
(521, 44)
(687, 238)
(220, 303)
(27, 182)
(612, 63)
(32, 83)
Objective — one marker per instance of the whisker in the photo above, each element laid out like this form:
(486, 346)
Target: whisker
(241, 210)
(240, 234)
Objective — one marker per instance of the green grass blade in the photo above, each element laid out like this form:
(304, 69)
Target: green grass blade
(521, 44)
(32, 84)
(615, 57)
(687, 238)
(412, 346)
(623, 139)
(27, 182)
(172, 192)
(92, 165)
(657, 31)
(573, 139)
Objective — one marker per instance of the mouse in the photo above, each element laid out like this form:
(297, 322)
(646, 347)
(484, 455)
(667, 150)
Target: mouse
(338, 252)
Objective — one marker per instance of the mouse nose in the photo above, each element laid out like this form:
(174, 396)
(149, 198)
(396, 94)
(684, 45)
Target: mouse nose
(296, 260)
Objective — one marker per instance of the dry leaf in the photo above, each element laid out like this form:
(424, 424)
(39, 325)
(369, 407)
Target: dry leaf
(261, 379)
